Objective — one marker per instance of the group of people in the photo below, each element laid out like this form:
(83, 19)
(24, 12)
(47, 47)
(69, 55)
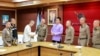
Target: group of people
(9, 33)
(56, 32)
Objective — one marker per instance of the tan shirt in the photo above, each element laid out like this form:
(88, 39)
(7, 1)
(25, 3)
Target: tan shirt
(96, 35)
(84, 32)
(6, 35)
(69, 37)
(42, 30)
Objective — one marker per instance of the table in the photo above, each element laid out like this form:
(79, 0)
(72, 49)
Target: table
(47, 49)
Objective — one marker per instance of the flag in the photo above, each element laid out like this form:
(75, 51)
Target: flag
(38, 19)
(39, 16)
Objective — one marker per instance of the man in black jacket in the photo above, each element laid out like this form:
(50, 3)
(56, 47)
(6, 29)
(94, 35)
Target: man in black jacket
(14, 31)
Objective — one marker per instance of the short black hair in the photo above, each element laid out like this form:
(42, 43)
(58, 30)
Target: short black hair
(59, 18)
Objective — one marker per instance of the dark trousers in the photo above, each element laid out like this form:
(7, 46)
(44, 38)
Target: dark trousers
(56, 41)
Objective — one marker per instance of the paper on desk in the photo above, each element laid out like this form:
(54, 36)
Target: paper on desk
(2, 50)
(35, 37)
(32, 33)
(53, 45)
(78, 46)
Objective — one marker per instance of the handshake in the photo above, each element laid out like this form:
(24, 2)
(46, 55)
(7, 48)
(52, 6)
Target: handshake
(32, 34)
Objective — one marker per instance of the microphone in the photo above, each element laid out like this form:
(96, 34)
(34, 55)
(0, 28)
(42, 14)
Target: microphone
(59, 46)
(29, 44)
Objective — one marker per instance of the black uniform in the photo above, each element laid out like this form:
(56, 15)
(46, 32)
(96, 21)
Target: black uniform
(14, 34)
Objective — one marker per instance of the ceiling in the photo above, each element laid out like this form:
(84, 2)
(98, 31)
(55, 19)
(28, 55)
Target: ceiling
(14, 0)
(37, 3)
(6, 0)
(41, 0)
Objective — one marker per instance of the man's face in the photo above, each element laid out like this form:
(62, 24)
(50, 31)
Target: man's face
(13, 21)
(32, 23)
(96, 23)
(68, 23)
(8, 25)
(43, 21)
(82, 20)
(57, 21)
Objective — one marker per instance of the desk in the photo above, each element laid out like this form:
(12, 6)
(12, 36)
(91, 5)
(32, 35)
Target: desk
(45, 49)
(20, 50)
(54, 52)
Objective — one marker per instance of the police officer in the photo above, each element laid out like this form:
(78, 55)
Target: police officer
(96, 34)
(69, 37)
(84, 33)
(42, 31)
(7, 35)
(14, 31)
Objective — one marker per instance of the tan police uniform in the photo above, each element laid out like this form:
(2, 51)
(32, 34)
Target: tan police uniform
(69, 37)
(7, 36)
(96, 37)
(42, 32)
(84, 35)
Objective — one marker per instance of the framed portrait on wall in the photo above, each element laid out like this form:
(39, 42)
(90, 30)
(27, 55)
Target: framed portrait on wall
(5, 18)
(52, 14)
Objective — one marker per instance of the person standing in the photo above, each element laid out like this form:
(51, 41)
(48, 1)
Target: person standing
(7, 35)
(84, 33)
(96, 34)
(69, 37)
(27, 32)
(42, 31)
(57, 30)
(14, 31)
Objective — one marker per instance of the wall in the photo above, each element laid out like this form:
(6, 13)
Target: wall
(6, 12)
(90, 10)
(24, 16)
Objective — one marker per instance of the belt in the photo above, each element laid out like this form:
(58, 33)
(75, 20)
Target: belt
(68, 39)
(82, 38)
(9, 41)
(41, 36)
(97, 44)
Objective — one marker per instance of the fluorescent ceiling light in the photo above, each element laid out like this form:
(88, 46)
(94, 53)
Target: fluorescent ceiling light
(19, 0)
